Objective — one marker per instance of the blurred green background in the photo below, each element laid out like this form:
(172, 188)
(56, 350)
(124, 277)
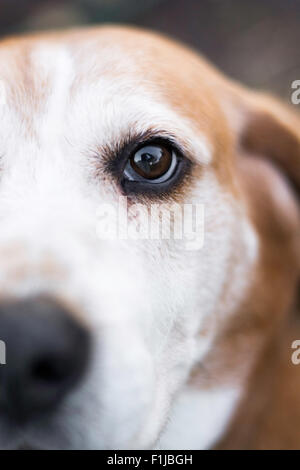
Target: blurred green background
(255, 41)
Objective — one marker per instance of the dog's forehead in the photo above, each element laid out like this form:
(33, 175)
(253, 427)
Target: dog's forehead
(112, 79)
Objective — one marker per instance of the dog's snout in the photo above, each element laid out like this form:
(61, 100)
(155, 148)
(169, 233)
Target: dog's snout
(46, 354)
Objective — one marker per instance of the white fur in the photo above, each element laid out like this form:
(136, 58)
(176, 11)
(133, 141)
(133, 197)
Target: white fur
(199, 418)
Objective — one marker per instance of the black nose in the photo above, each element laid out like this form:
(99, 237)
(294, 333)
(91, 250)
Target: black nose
(47, 353)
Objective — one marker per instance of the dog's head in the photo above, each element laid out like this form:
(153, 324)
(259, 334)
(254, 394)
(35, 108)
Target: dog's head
(88, 117)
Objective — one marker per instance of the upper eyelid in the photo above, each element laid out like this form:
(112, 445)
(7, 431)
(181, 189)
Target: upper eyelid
(161, 139)
(150, 137)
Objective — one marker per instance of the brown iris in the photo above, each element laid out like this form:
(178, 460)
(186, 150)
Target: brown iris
(152, 161)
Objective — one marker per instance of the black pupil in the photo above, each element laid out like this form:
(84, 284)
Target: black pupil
(152, 161)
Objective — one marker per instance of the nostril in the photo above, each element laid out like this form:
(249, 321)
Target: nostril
(48, 370)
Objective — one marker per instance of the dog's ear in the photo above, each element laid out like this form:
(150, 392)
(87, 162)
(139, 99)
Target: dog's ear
(273, 130)
(263, 126)
(267, 139)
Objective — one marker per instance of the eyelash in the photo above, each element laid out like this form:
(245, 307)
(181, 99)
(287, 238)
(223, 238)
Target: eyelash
(117, 163)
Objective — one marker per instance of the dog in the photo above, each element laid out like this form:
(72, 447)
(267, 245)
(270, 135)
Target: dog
(144, 343)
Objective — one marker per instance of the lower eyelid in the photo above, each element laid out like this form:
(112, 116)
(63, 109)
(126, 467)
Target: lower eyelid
(144, 188)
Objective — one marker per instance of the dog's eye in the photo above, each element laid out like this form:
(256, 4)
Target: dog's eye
(153, 163)
(152, 167)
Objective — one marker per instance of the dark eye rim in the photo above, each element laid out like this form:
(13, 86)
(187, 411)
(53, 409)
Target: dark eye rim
(149, 187)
